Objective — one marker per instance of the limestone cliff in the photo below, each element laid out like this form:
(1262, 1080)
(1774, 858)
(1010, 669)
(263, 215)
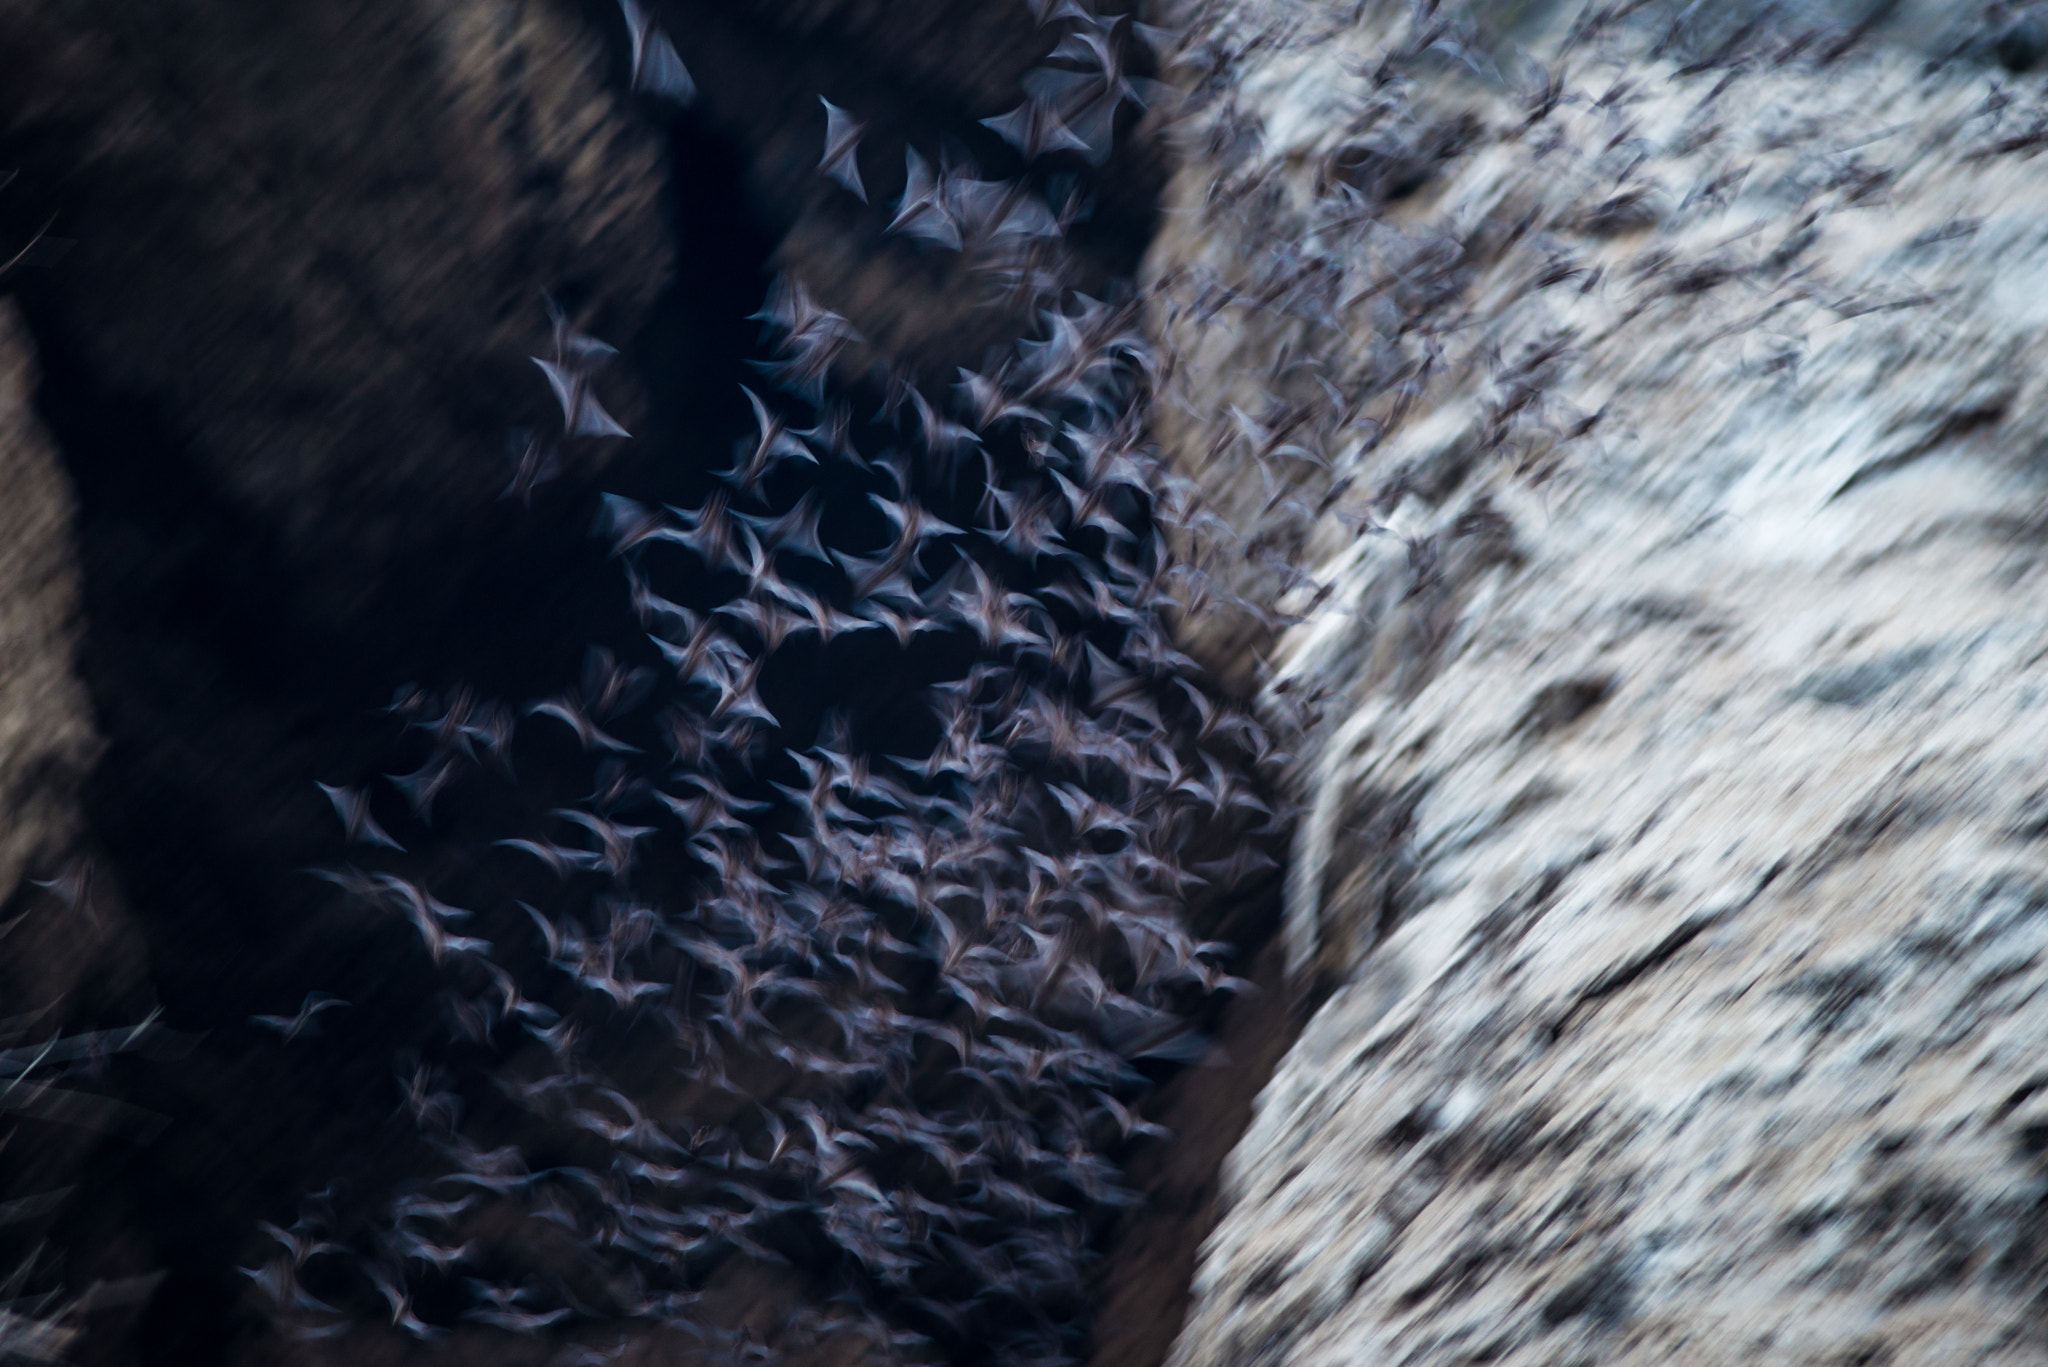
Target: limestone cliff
(1625, 430)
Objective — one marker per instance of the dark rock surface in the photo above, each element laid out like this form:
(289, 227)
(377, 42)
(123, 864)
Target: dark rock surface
(314, 241)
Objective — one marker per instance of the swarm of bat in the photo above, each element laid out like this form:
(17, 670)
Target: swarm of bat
(904, 964)
(870, 995)
(58, 1078)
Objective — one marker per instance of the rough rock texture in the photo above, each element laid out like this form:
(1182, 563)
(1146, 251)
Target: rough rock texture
(1644, 447)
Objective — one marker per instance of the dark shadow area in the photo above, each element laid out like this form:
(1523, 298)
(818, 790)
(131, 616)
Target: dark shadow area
(224, 699)
(226, 695)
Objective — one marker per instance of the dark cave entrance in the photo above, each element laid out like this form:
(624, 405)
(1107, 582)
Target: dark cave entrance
(225, 695)
(224, 698)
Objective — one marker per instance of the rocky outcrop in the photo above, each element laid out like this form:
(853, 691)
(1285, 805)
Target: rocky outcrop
(1629, 456)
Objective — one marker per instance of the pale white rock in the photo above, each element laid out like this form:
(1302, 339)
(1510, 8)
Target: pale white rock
(1655, 490)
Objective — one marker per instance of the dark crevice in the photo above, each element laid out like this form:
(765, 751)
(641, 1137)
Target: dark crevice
(224, 698)
(227, 686)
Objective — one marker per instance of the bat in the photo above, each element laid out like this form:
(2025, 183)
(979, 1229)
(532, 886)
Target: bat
(290, 1028)
(842, 138)
(352, 805)
(656, 68)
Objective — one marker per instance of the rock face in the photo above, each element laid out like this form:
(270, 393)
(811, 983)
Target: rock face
(1641, 446)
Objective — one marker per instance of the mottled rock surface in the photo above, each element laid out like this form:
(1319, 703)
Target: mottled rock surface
(1643, 445)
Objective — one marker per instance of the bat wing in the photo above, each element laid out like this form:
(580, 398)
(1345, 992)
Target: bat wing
(660, 71)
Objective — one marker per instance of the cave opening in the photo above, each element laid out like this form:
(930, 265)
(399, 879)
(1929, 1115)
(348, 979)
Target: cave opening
(225, 696)
(228, 687)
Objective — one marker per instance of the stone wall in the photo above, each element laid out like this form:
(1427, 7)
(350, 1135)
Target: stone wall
(1623, 443)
